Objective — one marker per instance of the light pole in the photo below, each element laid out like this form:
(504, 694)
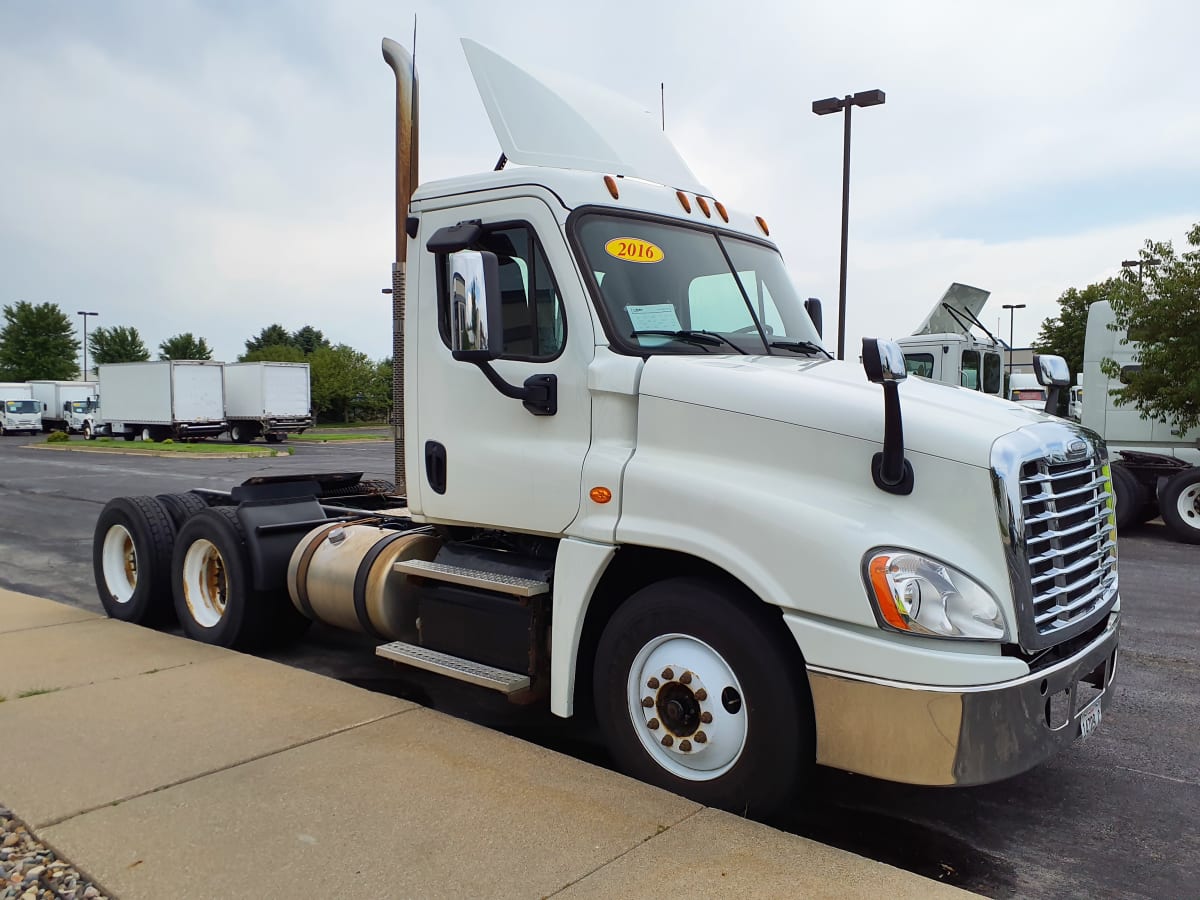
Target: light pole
(1130, 263)
(823, 108)
(85, 318)
(1012, 311)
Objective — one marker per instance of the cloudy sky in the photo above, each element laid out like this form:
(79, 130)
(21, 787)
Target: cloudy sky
(215, 167)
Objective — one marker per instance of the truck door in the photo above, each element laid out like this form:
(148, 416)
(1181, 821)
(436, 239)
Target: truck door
(481, 457)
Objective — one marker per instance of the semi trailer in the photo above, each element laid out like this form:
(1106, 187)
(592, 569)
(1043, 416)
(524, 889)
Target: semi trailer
(65, 405)
(170, 398)
(631, 483)
(271, 399)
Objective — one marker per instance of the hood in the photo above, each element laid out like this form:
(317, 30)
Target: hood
(951, 422)
(964, 300)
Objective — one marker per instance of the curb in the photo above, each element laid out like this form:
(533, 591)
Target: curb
(175, 454)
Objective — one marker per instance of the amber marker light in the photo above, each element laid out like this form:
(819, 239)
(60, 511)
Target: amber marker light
(600, 494)
(703, 204)
(611, 184)
(883, 593)
(684, 201)
(762, 223)
(721, 210)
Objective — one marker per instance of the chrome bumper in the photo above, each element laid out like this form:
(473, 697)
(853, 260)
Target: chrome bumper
(924, 734)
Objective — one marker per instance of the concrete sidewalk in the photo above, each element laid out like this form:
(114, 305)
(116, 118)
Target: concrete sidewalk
(165, 768)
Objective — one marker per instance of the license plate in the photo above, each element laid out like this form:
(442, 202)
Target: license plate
(1090, 718)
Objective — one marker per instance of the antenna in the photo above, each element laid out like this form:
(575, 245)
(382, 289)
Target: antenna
(662, 100)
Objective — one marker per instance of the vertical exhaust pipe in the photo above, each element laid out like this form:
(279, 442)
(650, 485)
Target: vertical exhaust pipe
(406, 182)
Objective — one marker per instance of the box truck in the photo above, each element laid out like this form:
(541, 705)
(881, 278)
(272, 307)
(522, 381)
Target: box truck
(271, 399)
(65, 405)
(631, 482)
(19, 412)
(177, 399)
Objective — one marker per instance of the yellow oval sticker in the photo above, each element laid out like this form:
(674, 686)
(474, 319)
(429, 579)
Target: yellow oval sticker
(634, 250)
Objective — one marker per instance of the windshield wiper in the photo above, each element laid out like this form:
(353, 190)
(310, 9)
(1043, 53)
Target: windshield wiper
(808, 348)
(698, 337)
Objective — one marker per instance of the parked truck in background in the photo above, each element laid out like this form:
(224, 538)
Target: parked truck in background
(944, 348)
(19, 412)
(1156, 469)
(272, 399)
(177, 399)
(631, 482)
(1025, 389)
(65, 405)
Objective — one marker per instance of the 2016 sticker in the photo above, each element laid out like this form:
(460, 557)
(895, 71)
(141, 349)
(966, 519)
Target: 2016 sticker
(634, 250)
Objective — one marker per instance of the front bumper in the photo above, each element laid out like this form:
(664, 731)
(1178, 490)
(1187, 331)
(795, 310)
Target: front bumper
(933, 735)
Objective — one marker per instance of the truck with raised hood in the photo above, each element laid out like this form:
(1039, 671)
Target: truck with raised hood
(945, 349)
(65, 405)
(19, 412)
(1156, 468)
(169, 398)
(271, 399)
(631, 483)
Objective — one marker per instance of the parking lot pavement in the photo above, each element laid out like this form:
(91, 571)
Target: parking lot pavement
(1115, 816)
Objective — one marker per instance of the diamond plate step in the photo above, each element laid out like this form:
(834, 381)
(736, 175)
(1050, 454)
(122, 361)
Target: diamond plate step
(491, 581)
(453, 667)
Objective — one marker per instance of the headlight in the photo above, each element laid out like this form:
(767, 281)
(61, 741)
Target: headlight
(919, 595)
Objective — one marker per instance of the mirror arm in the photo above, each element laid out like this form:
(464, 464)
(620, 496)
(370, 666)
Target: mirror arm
(539, 393)
(889, 469)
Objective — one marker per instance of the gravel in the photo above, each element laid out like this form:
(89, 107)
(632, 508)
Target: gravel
(29, 870)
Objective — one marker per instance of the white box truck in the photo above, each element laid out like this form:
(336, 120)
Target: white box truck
(177, 399)
(631, 480)
(65, 405)
(272, 399)
(19, 412)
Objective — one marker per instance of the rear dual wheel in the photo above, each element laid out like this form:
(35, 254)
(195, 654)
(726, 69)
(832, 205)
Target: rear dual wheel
(1179, 504)
(131, 560)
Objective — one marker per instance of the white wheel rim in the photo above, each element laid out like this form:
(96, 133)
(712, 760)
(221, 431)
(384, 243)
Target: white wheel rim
(1188, 505)
(119, 562)
(205, 583)
(678, 673)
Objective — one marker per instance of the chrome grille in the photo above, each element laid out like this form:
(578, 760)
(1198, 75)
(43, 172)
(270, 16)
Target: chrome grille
(1054, 499)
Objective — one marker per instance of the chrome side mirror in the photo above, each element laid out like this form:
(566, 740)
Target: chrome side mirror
(1051, 370)
(883, 360)
(476, 329)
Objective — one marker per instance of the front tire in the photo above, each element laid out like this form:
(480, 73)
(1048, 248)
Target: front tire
(699, 690)
(131, 559)
(1179, 504)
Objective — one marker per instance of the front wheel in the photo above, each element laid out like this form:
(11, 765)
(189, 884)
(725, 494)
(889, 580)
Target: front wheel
(1179, 504)
(699, 690)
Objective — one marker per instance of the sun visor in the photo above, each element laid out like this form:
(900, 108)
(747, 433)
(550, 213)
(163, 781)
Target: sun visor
(552, 120)
(963, 299)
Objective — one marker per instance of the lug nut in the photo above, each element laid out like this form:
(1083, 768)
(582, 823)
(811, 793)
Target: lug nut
(647, 702)
(685, 746)
(652, 724)
(668, 673)
(652, 684)
(685, 678)
(667, 740)
(700, 737)
(702, 695)
(705, 717)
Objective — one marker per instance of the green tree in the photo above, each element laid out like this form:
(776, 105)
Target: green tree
(271, 336)
(1162, 313)
(118, 344)
(309, 339)
(1064, 334)
(341, 380)
(37, 342)
(184, 346)
(275, 353)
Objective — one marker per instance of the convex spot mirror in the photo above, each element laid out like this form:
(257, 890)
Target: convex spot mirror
(883, 360)
(1051, 370)
(476, 326)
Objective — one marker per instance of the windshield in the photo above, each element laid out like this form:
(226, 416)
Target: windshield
(81, 406)
(21, 406)
(672, 289)
(1029, 394)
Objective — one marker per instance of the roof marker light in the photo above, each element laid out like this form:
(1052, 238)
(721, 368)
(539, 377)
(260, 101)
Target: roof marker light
(703, 204)
(721, 209)
(684, 201)
(763, 225)
(611, 184)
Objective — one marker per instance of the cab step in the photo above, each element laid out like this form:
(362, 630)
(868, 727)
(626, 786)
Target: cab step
(453, 667)
(477, 578)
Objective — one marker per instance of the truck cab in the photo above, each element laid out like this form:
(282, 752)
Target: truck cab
(943, 348)
(19, 412)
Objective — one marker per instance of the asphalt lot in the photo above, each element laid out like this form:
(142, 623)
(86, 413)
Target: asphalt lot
(1115, 816)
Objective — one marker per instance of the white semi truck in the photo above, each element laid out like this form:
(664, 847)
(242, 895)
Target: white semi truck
(65, 405)
(19, 412)
(632, 483)
(1157, 468)
(945, 349)
(177, 399)
(271, 399)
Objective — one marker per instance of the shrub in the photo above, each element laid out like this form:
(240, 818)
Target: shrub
(57, 437)
(168, 441)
